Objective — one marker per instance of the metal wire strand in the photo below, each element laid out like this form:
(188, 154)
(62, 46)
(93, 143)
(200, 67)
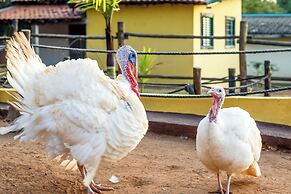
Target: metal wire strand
(169, 53)
(173, 36)
(207, 96)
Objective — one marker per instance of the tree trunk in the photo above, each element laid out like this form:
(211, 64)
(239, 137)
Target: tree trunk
(110, 56)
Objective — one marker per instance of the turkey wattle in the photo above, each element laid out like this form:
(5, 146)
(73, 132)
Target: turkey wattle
(81, 115)
(228, 140)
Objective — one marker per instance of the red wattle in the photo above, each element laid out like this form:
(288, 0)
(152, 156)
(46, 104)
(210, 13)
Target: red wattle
(132, 79)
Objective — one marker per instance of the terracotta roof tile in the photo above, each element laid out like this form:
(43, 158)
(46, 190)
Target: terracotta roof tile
(23, 0)
(40, 1)
(140, 1)
(35, 12)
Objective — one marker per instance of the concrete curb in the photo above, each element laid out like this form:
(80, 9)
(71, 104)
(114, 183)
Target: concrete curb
(185, 125)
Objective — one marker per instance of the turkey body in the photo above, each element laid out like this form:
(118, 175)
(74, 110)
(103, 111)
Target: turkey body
(228, 140)
(231, 144)
(74, 108)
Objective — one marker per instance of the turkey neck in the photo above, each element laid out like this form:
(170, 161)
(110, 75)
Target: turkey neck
(215, 108)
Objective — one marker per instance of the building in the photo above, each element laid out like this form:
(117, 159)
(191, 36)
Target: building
(271, 27)
(53, 16)
(184, 17)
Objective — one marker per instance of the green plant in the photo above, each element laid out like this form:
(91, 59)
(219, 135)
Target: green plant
(146, 64)
(262, 6)
(106, 8)
(259, 67)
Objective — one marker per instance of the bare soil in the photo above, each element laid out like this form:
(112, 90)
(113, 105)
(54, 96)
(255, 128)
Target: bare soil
(160, 164)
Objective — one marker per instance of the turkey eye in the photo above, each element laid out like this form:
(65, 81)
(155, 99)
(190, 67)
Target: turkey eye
(133, 55)
(219, 90)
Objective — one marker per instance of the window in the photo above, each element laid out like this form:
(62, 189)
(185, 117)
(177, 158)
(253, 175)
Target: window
(207, 30)
(230, 31)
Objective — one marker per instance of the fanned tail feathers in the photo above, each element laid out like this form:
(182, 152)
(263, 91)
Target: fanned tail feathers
(22, 64)
(253, 170)
(68, 164)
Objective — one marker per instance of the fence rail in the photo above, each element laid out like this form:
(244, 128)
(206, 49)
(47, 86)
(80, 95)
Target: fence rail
(126, 36)
(4, 38)
(175, 36)
(169, 53)
(208, 96)
(67, 36)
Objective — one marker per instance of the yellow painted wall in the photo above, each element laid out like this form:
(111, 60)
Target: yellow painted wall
(217, 65)
(272, 109)
(151, 19)
(4, 94)
(171, 19)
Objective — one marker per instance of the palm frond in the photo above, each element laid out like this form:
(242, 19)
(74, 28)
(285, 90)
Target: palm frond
(102, 6)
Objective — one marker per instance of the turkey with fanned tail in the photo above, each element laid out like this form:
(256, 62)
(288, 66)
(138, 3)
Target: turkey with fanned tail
(81, 115)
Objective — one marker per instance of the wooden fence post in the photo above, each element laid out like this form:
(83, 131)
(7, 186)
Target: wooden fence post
(197, 80)
(231, 79)
(242, 57)
(120, 33)
(27, 34)
(268, 73)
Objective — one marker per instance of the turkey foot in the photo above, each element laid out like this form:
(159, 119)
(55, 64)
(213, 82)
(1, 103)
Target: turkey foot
(93, 187)
(219, 192)
(220, 188)
(101, 187)
(97, 188)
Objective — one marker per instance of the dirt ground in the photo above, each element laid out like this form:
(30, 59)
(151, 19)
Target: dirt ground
(160, 164)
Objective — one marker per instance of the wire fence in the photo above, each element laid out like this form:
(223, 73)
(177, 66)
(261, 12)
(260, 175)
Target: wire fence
(188, 88)
(67, 36)
(208, 96)
(168, 53)
(171, 89)
(244, 86)
(174, 36)
(128, 34)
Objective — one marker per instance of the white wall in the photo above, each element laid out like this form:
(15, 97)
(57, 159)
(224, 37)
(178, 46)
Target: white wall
(281, 60)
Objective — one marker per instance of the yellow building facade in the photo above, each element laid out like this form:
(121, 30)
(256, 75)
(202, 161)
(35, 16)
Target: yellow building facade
(172, 18)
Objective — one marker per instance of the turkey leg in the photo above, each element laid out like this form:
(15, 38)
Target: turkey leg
(220, 188)
(228, 184)
(93, 187)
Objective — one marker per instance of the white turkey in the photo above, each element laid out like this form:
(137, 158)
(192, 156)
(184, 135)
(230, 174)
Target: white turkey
(228, 140)
(81, 115)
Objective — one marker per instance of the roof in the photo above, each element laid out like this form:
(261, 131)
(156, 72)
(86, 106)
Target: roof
(40, 1)
(38, 12)
(268, 25)
(134, 1)
(130, 2)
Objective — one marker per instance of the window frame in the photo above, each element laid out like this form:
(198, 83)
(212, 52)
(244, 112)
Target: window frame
(230, 43)
(211, 31)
